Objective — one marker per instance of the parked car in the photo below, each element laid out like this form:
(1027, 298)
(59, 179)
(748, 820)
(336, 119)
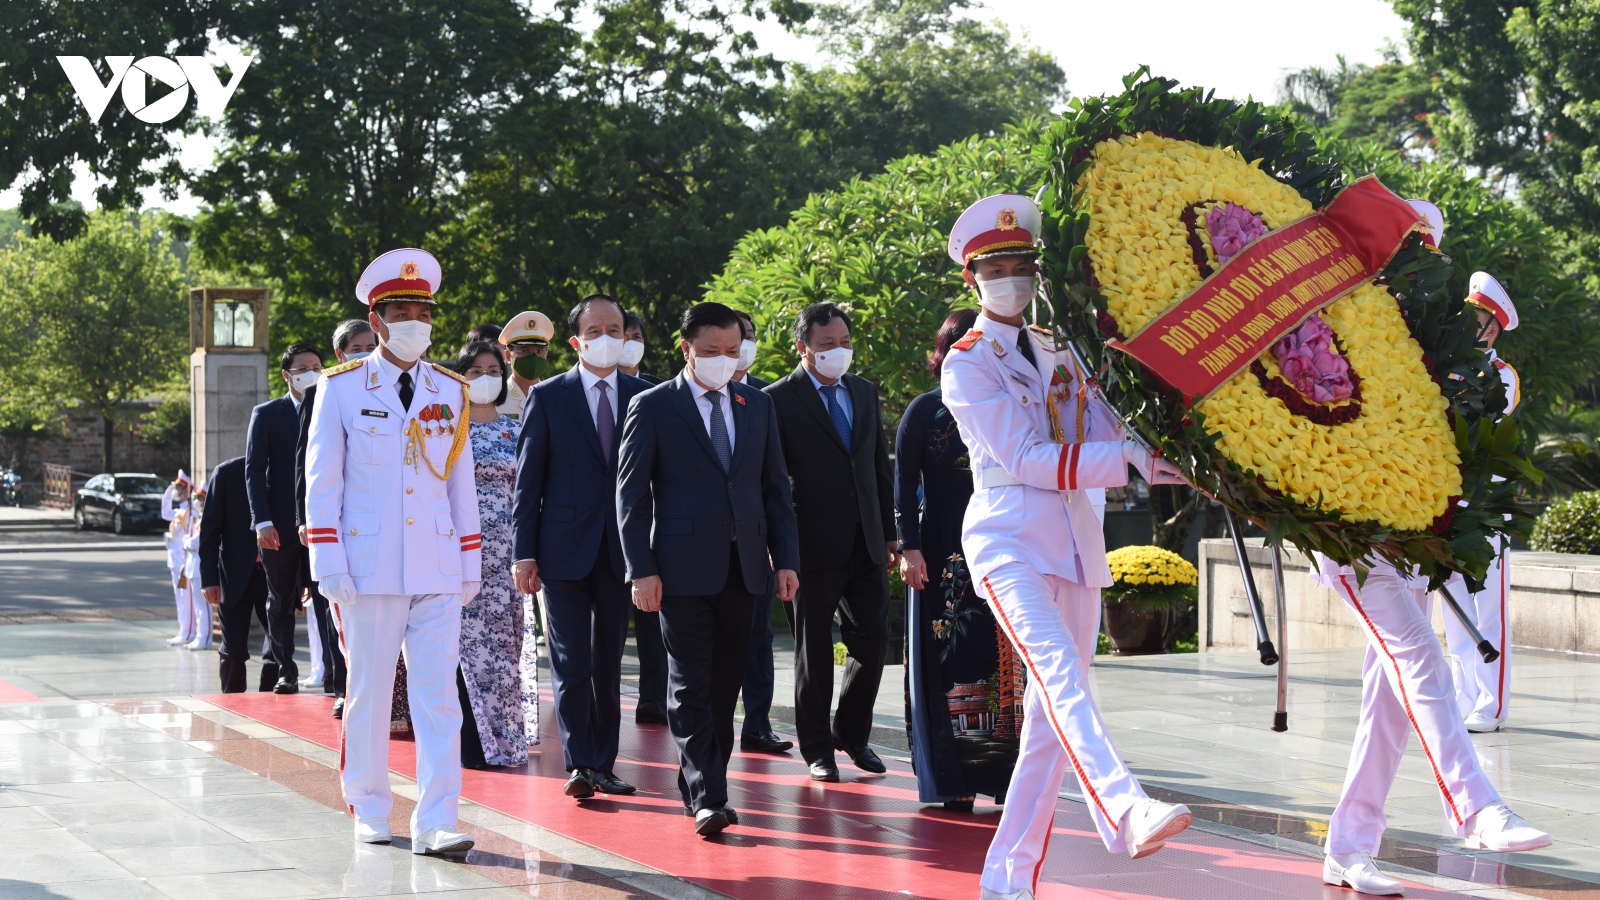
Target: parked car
(125, 502)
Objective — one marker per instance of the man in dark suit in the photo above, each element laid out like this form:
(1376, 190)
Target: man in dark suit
(756, 736)
(231, 576)
(703, 500)
(353, 339)
(652, 708)
(838, 463)
(566, 541)
(269, 457)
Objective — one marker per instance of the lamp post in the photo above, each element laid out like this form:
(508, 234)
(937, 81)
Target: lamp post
(228, 371)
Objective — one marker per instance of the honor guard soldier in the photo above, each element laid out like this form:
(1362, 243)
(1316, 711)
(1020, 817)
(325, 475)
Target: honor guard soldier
(1035, 546)
(1483, 690)
(392, 522)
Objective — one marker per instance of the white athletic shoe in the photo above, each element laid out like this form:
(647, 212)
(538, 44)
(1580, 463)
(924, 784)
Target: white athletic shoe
(441, 840)
(986, 894)
(1356, 870)
(1150, 823)
(1498, 828)
(373, 831)
(1480, 723)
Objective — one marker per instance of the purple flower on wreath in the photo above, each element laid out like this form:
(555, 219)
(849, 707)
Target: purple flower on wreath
(1312, 364)
(1231, 226)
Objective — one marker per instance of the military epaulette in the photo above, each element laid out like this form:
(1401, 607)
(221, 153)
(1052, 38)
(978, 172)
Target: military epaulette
(451, 372)
(1045, 335)
(341, 368)
(967, 340)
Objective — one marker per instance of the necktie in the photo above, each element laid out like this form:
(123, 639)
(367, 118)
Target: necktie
(836, 413)
(1026, 346)
(605, 423)
(719, 432)
(405, 391)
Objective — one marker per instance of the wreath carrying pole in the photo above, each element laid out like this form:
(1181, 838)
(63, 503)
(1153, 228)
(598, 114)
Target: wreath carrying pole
(1269, 656)
(1280, 719)
(1485, 649)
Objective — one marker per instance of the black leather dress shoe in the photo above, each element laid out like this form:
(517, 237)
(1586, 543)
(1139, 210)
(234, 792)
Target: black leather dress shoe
(863, 757)
(581, 785)
(338, 707)
(650, 712)
(764, 743)
(728, 813)
(607, 783)
(710, 821)
(824, 770)
(286, 686)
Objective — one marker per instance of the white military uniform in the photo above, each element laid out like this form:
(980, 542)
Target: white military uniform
(377, 511)
(176, 515)
(1036, 549)
(200, 610)
(1405, 688)
(1485, 688)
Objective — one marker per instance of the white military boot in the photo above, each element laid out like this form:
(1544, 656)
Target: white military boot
(373, 831)
(1498, 828)
(1356, 870)
(1149, 824)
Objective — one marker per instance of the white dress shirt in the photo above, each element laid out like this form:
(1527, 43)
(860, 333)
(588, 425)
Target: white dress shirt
(592, 393)
(843, 397)
(703, 403)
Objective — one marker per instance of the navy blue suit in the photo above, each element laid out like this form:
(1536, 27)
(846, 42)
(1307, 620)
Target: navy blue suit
(706, 532)
(228, 555)
(565, 518)
(269, 471)
(759, 677)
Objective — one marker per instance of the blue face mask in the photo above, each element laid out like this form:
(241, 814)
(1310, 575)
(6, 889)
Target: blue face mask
(352, 357)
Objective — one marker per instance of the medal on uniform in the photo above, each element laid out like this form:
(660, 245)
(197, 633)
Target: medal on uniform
(446, 415)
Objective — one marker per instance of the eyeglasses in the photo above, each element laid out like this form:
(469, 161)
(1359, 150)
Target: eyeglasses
(495, 372)
(301, 370)
(525, 348)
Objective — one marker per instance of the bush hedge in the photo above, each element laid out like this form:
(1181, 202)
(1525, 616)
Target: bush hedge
(1569, 526)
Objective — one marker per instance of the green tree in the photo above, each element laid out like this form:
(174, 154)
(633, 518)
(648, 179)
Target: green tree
(95, 320)
(1390, 104)
(876, 245)
(45, 129)
(351, 137)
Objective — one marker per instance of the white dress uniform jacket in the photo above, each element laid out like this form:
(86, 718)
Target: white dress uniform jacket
(393, 526)
(1041, 514)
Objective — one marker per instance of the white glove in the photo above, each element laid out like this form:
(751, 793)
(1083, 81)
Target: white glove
(1154, 469)
(469, 591)
(340, 588)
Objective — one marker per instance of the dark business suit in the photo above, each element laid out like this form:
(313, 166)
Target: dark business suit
(647, 631)
(706, 532)
(228, 559)
(844, 504)
(759, 677)
(269, 479)
(334, 675)
(565, 518)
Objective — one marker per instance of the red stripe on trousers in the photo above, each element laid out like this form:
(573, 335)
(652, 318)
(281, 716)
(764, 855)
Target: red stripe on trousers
(1500, 692)
(1405, 700)
(1038, 867)
(343, 648)
(1050, 708)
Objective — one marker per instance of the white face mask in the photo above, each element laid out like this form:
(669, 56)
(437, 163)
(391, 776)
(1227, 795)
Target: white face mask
(832, 363)
(1008, 296)
(302, 380)
(483, 389)
(632, 352)
(352, 357)
(714, 371)
(602, 352)
(747, 355)
(409, 340)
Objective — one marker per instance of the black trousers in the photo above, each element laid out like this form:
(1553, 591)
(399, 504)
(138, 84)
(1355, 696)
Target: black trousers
(708, 650)
(652, 655)
(585, 636)
(234, 651)
(858, 590)
(283, 567)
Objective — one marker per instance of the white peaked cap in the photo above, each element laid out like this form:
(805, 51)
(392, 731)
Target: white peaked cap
(1485, 291)
(405, 274)
(999, 224)
(1435, 216)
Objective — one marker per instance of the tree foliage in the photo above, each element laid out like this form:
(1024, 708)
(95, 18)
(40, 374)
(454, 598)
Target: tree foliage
(876, 245)
(1390, 104)
(95, 320)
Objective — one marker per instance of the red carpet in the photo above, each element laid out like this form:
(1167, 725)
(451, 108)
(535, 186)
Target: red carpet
(10, 693)
(797, 840)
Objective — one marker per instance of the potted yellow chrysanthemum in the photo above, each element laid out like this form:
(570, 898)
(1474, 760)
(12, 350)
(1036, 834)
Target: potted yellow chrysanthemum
(1150, 586)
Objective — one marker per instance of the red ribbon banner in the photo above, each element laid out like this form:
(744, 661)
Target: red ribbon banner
(1272, 285)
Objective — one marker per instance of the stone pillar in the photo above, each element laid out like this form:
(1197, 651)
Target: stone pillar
(227, 371)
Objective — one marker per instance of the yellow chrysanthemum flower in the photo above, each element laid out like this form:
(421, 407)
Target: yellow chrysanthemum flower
(1148, 564)
(1396, 464)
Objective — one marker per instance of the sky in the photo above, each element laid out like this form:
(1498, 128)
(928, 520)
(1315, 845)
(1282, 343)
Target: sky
(1239, 47)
